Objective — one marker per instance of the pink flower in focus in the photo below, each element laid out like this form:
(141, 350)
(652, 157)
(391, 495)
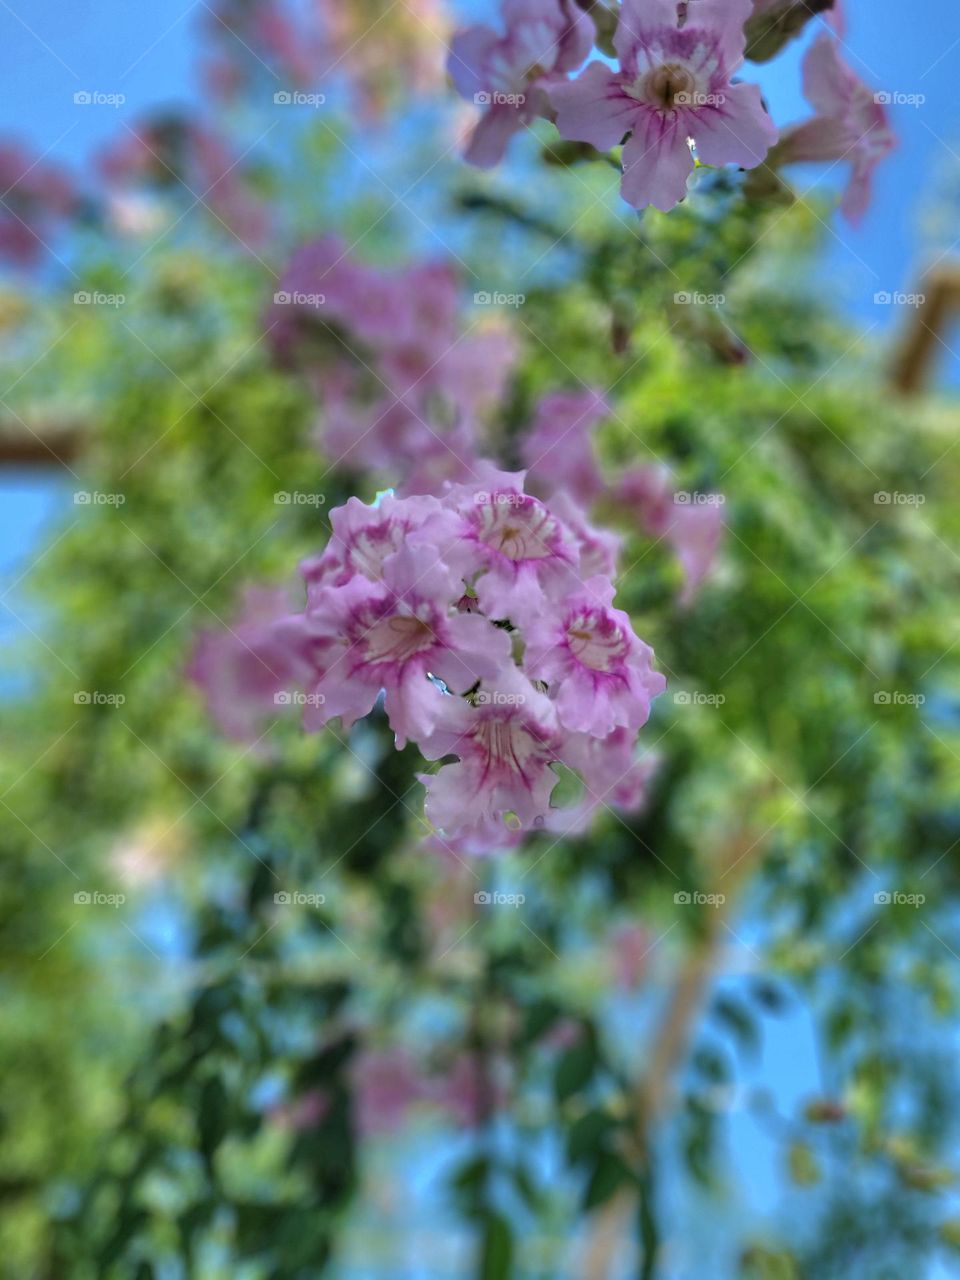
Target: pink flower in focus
(850, 124)
(394, 636)
(559, 447)
(505, 743)
(673, 85)
(507, 74)
(364, 536)
(601, 669)
(523, 552)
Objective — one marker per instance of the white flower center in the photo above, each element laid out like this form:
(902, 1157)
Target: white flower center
(398, 638)
(596, 641)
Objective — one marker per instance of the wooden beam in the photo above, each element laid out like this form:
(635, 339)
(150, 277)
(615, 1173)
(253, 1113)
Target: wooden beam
(913, 360)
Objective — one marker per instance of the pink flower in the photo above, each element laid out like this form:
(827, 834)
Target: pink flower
(402, 384)
(522, 551)
(395, 636)
(693, 529)
(612, 775)
(387, 1083)
(558, 449)
(505, 743)
(508, 73)
(673, 84)
(600, 668)
(850, 124)
(242, 669)
(630, 946)
(363, 537)
(36, 198)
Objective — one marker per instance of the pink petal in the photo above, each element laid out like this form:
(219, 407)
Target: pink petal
(738, 131)
(656, 163)
(593, 108)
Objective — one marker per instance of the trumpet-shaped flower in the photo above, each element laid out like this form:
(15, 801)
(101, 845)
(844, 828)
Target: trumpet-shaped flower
(589, 653)
(673, 86)
(507, 73)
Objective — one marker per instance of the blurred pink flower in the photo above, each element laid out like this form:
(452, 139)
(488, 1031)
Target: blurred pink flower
(507, 73)
(692, 528)
(249, 671)
(851, 124)
(36, 198)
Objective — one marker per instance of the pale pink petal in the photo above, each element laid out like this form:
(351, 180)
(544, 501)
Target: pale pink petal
(656, 163)
(738, 131)
(593, 108)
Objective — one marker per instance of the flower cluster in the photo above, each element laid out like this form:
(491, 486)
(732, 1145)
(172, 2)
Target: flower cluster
(398, 378)
(672, 100)
(485, 619)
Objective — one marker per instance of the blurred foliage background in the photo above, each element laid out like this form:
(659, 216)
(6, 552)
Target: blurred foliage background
(203, 1081)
